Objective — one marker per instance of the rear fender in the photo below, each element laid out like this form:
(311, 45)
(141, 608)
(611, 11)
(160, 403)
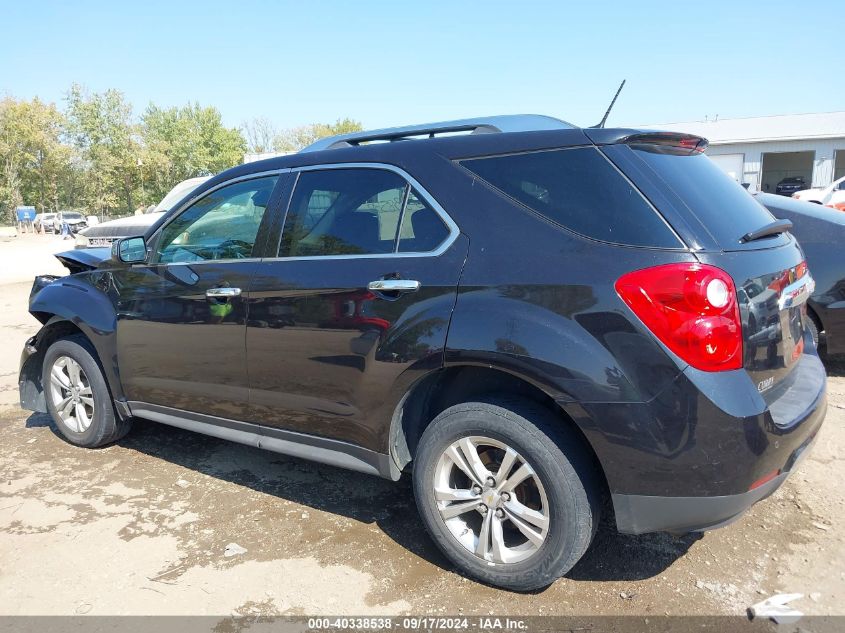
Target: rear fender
(558, 340)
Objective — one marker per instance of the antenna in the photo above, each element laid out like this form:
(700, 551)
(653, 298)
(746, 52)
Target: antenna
(610, 107)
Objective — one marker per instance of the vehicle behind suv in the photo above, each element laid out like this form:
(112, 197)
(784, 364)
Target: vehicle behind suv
(74, 220)
(790, 185)
(105, 233)
(44, 222)
(538, 323)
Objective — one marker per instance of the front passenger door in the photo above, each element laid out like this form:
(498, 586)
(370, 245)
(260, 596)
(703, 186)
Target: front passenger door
(181, 317)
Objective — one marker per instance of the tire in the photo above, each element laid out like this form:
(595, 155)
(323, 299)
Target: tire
(814, 328)
(88, 425)
(564, 488)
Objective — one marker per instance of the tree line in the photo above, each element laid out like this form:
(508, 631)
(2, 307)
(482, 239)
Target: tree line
(95, 155)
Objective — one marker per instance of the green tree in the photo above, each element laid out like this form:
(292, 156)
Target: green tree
(34, 159)
(102, 129)
(294, 139)
(185, 142)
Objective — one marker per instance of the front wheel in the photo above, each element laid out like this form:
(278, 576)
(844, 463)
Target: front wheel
(77, 396)
(506, 492)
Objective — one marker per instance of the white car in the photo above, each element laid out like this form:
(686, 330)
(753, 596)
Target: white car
(831, 196)
(44, 222)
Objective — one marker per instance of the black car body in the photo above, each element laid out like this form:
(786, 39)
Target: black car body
(790, 185)
(821, 233)
(584, 282)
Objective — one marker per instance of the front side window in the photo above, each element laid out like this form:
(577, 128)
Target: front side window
(221, 225)
(357, 211)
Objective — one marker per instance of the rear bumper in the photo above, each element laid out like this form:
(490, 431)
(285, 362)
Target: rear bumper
(639, 514)
(693, 458)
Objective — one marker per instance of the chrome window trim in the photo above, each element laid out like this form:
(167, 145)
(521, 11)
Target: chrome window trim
(193, 199)
(454, 231)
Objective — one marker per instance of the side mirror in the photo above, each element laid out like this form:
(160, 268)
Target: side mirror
(130, 250)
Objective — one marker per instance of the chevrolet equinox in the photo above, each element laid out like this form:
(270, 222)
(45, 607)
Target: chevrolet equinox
(541, 323)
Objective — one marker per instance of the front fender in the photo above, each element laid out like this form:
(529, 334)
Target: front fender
(79, 300)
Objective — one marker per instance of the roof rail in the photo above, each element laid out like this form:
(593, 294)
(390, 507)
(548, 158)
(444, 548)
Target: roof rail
(481, 125)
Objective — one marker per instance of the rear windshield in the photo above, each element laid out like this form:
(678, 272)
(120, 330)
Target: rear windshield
(580, 190)
(720, 203)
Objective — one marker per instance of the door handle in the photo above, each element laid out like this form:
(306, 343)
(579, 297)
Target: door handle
(222, 293)
(394, 285)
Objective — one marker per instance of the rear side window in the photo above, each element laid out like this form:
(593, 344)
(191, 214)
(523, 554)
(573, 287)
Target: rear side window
(580, 190)
(358, 211)
(343, 212)
(719, 202)
(422, 229)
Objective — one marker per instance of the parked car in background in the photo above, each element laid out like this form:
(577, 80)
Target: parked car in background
(832, 196)
(74, 220)
(790, 185)
(105, 233)
(492, 304)
(44, 222)
(821, 234)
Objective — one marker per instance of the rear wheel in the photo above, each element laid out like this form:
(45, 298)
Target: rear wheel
(506, 494)
(814, 328)
(77, 396)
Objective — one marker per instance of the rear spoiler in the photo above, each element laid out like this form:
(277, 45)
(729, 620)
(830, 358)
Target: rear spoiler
(679, 140)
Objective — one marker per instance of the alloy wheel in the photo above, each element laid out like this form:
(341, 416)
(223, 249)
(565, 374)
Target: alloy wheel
(491, 500)
(71, 394)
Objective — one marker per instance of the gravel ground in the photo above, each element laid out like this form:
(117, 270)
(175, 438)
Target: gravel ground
(141, 527)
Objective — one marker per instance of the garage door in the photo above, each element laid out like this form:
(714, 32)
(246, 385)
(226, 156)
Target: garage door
(731, 164)
(780, 165)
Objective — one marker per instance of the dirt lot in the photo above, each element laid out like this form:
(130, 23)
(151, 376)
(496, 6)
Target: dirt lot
(141, 527)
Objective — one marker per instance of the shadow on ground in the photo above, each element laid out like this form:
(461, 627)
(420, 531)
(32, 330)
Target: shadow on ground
(369, 499)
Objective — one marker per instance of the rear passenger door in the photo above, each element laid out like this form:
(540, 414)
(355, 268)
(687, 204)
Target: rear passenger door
(357, 298)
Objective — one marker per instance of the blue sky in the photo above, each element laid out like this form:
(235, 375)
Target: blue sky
(389, 63)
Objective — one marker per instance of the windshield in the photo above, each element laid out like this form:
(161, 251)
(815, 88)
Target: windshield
(178, 192)
(71, 215)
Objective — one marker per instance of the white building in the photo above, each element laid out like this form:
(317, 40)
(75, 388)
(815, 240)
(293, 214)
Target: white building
(251, 158)
(763, 150)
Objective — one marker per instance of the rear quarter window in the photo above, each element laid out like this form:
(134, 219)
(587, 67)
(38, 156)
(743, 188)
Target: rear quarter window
(723, 207)
(580, 190)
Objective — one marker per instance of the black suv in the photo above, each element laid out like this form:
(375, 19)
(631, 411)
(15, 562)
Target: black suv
(542, 322)
(790, 185)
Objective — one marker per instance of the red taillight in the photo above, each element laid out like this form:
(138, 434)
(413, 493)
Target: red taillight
(692, 309)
